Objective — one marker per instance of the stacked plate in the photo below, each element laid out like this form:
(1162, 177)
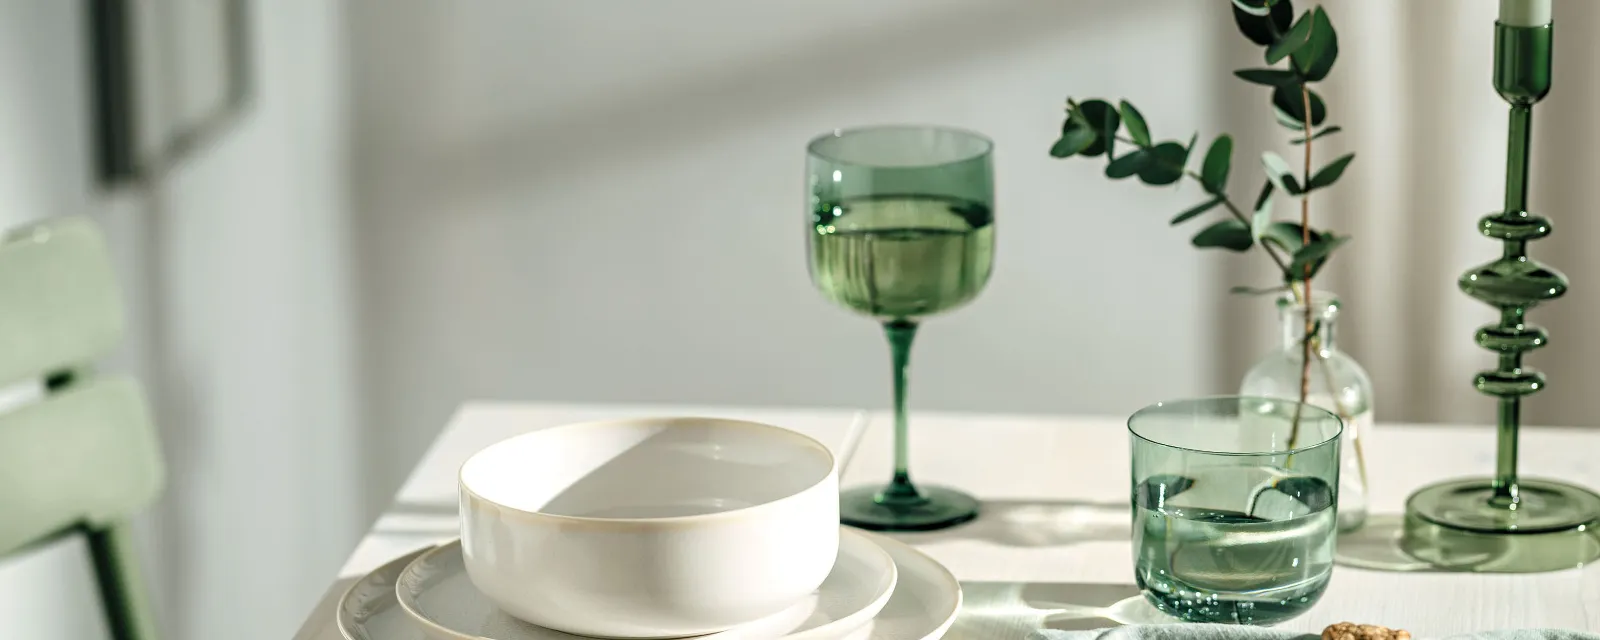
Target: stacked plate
(656, 528)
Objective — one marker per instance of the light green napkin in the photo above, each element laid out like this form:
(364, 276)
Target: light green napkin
(1235, 632)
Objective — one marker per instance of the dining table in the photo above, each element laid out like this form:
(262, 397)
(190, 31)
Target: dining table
(1052, 547)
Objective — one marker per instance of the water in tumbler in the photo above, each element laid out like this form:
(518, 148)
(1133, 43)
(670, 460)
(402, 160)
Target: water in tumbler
(1244, 545)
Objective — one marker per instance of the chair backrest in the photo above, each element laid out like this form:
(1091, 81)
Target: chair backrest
(82, 456)
(59, 308)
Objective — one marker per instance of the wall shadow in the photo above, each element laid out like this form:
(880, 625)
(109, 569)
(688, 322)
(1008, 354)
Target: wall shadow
(687, 108)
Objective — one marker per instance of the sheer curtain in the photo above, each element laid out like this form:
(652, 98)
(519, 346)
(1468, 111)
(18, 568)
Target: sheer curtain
(1412, 91)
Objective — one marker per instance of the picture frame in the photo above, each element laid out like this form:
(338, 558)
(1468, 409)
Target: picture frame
(166, 77)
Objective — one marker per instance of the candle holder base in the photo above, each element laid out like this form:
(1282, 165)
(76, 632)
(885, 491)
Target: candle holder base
(1457, 525)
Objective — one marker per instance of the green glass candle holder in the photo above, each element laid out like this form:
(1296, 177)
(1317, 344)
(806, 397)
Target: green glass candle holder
(1509, 523)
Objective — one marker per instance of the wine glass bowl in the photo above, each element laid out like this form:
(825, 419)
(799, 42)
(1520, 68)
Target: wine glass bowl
(901, 227)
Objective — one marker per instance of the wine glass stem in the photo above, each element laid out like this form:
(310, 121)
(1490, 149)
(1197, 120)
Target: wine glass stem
(900, 490)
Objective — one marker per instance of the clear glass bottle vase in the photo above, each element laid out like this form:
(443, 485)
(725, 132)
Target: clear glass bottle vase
(1336, 382)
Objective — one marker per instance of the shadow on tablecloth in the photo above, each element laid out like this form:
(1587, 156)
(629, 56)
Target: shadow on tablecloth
(1012, 610)
(1038, 523)
(1054, 523)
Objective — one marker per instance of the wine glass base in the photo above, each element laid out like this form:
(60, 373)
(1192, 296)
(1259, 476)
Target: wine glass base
(942, 507)
(1453, 525)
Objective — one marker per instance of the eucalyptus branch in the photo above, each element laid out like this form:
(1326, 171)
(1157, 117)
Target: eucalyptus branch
(1309, 46)
(1271, 250)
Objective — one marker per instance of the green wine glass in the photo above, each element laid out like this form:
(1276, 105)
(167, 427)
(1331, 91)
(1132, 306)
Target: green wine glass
(901, 227)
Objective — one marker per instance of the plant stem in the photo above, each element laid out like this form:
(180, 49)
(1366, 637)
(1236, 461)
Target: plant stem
(1305, 240)
(1353, 429)
(1306, 296)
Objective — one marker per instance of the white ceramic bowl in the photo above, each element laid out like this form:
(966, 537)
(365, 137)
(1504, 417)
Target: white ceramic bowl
(649, 528)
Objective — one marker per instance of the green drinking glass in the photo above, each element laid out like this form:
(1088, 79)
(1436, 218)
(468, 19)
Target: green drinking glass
(1234, 507)
(899, 227)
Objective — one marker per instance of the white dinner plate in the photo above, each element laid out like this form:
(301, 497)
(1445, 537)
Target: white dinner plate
(923, 604)
(435, 590)
(367, 610)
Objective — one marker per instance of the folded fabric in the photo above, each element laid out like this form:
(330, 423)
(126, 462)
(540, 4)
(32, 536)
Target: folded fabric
(1235, 632)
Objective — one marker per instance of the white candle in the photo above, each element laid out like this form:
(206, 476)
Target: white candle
(1524, 13)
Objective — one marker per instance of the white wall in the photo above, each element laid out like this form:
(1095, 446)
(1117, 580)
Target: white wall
(236, 266)
(601, 201)
(256, 339)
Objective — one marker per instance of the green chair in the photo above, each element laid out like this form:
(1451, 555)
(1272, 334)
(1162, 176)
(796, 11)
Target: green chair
(83, 457)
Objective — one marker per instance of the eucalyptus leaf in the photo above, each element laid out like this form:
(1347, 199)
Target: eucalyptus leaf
(1260, 220)
(1314, 255)
(1165, 165)
(1214, 171)
(1265, 196)
(1253, 7)
(1196, 210)
(1188, 149)
(1287, 98)
(1291, 41)
(1325, 132)
(1279, 173)
(1268, 77)
(1288, 121)
(1286, 236)
(1228, 234)
(1330, 173)
(1127, 165)
(1263, 27)
(1103, 118)
(1074, 141)
(1075, 117)
(1134, 121)
(1315, 59)
(1257, 291)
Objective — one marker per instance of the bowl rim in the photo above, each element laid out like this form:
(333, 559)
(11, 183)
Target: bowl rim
(830, 476)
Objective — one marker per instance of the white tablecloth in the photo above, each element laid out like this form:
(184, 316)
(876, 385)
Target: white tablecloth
(1053, 543)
